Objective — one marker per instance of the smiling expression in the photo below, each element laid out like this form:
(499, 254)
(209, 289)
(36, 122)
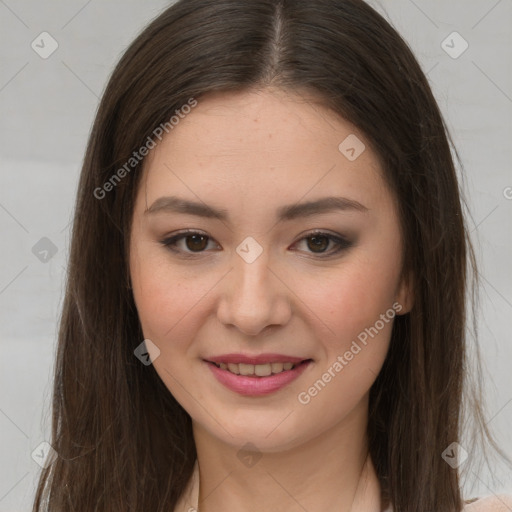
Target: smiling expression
(293, 250)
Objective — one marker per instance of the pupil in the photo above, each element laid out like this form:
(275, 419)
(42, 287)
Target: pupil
(194, 244)
(317, 244)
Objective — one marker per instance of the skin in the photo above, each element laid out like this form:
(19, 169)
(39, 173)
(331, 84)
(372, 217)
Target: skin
(251, 153)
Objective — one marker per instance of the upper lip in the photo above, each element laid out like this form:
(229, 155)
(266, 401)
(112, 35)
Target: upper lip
(255, 359)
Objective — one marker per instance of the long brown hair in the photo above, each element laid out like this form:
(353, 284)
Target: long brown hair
(123, 442)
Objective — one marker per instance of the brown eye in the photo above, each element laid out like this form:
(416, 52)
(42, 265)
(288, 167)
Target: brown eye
(188, 243)
(318, 243)
(196, 242)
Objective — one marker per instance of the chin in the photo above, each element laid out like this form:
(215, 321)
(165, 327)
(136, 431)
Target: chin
(270, 436)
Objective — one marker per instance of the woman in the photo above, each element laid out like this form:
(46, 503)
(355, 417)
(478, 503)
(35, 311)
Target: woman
(265, 307)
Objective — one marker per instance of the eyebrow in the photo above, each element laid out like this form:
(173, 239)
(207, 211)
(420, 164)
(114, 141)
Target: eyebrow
(173, 204)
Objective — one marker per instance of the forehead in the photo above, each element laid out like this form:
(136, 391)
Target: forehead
(268, 146)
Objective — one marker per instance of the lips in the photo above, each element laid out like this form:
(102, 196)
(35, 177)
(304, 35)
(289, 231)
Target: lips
(257, 380)
(257, 370)
(262, 365)
(254, 359)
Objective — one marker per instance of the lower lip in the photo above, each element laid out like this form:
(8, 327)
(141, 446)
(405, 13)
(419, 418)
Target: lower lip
(257, 386)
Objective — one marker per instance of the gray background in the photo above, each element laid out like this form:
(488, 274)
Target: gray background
(46, 111)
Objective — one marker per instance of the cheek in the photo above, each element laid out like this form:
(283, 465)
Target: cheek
(169, 304)
(356, 306)
(352, 299)
(164, 297)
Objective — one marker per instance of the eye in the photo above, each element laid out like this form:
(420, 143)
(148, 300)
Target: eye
(196, 242)
(319, 241)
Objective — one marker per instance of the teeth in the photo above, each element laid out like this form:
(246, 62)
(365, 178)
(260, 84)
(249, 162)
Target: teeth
(260, 370)
(277, 367)
(233, 368)
(246, 369)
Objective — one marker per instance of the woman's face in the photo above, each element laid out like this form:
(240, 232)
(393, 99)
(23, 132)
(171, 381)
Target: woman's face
(250, 174)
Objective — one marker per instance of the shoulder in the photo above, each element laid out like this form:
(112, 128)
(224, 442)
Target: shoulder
(494, 503)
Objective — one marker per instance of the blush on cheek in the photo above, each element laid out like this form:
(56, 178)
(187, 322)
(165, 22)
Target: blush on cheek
(159, 315)
(354, 319)
(342, 307)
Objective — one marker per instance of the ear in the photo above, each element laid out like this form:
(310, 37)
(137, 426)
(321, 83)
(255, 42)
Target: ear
(404, 295)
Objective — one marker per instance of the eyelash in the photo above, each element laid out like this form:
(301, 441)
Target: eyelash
(170, 243)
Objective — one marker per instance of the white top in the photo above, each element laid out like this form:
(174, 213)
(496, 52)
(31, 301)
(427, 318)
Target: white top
(500, 503)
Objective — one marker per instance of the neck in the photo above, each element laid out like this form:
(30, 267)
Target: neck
(331, 472)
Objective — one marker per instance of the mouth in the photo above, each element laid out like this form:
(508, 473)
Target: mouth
(266, 377)
(258, 370)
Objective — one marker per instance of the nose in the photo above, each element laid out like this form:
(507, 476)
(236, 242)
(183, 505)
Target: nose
(254, 297)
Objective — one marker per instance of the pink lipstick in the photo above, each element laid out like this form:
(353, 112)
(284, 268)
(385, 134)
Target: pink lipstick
(256, 375)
